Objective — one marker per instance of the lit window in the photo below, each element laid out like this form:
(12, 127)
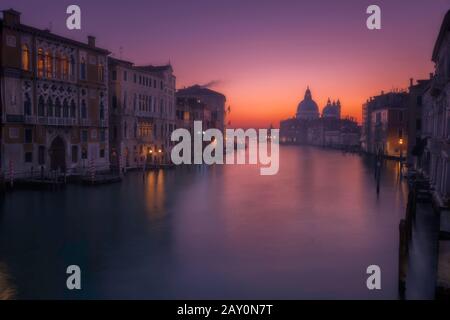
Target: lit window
(49, 64)
(64, 67)
(101, 72)
(25, 58)
(40, 63)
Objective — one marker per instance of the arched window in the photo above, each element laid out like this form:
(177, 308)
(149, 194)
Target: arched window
(41, 107)
(64, 67)
(73, 109)
(49, 107)
(41, 63)
(49, 64)
(83, 68)
(135, 130)
(58, 108)
(125, 129)
(25, 58)
(83, 109)
(72, 67)
(101, 72)
(65, 109)
(27, 105)
(135, 101)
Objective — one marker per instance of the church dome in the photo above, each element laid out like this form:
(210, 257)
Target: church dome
(332, 110)
(307, 108)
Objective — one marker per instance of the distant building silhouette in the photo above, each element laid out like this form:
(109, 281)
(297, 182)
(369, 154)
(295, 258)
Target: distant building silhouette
(307, 127)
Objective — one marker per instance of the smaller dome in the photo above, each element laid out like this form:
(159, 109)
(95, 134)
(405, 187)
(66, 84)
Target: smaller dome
(332, 110)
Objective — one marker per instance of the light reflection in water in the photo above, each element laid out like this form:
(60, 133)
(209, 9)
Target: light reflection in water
(213, 232)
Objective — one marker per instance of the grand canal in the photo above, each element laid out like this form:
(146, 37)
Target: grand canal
(212, 232)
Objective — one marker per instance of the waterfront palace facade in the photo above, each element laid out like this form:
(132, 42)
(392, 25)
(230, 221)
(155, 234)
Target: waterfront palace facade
(69, 107)
(54, 100)
(142, 113)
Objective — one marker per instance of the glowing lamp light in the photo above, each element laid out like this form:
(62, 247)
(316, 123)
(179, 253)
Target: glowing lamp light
(400, 141)
(159, 150)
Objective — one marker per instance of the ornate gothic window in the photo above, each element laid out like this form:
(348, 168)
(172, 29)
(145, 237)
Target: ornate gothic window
(49, 107)
(41, 63)
(65, 109)
(25, 58)
(49, 64)
(58, 108)
(41, 107)
(64, 67)
(73, 109)
(101, 72)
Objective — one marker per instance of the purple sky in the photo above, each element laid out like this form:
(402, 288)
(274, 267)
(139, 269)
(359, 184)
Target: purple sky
(262, 54)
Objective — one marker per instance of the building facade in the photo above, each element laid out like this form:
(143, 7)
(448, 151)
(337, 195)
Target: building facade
(213, 104)
(435, 160)
(385, 124)
(54, 102)
(142, 113)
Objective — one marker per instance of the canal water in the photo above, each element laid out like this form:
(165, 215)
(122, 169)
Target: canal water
(309, 231)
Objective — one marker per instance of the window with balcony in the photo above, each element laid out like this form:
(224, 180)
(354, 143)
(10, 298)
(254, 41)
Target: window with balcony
(41, 107)
(49, 107)
(58, 108)
(73, 109)
(65, 109)
(26, 58)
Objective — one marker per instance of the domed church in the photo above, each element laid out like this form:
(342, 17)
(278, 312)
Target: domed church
(326, 129)
(307, 109)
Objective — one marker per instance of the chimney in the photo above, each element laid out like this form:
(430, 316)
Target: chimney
(11, 17)
(411, 81)
(91, 41)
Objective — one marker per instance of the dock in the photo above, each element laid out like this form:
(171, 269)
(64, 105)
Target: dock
(101, 179)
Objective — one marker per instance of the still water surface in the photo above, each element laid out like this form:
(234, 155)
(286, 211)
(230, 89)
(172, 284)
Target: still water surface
(212, 232)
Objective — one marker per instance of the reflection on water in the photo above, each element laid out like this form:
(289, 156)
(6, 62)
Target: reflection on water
(7, 291)
(212, 232)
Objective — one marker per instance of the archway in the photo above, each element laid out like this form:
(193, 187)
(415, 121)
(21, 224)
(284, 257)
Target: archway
(57, 153)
